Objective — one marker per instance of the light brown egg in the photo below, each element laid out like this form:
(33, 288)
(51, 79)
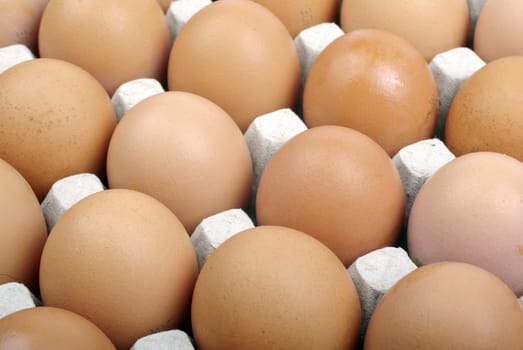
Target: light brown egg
(19, 22)
(116, 41)
(274, 288)
(485, 114)
(55, 120)
(375, 82)
(49, 328)
(498, 30)
(447, 305)
(240, 56)
(301, 14)
(430, 26)
(337, 185)
(23, 231)
(471, 210)
(185, 151)
(123, 260)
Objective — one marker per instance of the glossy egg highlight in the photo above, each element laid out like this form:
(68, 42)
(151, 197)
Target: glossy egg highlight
(375, 82)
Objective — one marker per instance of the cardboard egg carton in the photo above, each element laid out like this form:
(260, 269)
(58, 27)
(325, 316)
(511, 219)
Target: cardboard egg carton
(173, 339)
(14, 54)
(14, 297)
(66, 192)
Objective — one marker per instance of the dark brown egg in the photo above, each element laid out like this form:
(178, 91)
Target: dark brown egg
(23, 231)
(55, 120)
(447, 305)
(239, 55)
(337, 185)
(116, 41)
(123, 260)
(274, 288)
(50, 328)
(375, 82)
(185, 151)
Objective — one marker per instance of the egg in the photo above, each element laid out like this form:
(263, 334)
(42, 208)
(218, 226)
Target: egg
(23, 232)
(430, 26)
(239, 55)
(471, 210)
(116, 41)
(337, 185)
(55, 120)
(447, 305)
(485, 114)
(50, 328)
(498, 28)
(19, 22)
(185, 151)
(375, 82)
(298, 15)
(123, 260)
(274, 288)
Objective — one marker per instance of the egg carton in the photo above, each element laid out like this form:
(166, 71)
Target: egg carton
(166, 340)
(374, 273)
(14, 297)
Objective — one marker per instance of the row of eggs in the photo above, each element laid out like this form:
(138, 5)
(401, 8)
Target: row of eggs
(431, 27)
(51, 95)
(125, 262)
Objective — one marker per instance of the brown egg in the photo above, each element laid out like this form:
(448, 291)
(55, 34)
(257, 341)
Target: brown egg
(498, 30)
(55, 120)
(49, 328)
(375, 82)
(337, 185)
(240, 56)
(274, 288)
(471, 210)
(123, 260)
(23, 231)
(430, 26)
(116, 41)
(185, 151)
(485, 114)
(447, 305)
(301, 14)
(19, 22)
